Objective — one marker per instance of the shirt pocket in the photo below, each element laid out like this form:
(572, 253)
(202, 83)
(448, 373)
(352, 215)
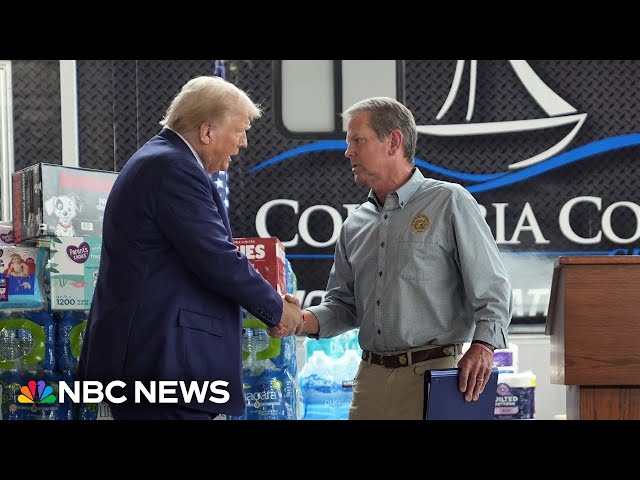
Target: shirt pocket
(418, 259)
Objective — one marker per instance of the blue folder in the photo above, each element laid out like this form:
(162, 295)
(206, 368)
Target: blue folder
(444, 401)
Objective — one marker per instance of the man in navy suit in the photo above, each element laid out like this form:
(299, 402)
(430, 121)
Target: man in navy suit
(171, 283)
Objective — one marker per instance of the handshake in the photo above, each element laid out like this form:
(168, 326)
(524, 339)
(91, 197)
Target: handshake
(292, 319)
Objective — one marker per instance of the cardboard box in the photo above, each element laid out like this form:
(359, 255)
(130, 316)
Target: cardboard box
(55, 200)
(267, 257)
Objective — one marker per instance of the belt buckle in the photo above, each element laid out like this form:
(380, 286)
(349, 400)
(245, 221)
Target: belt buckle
(382, 357)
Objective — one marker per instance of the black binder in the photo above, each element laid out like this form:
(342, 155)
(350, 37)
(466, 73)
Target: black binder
(444, 401)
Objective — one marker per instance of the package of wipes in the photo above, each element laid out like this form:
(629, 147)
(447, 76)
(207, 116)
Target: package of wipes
(73, 267)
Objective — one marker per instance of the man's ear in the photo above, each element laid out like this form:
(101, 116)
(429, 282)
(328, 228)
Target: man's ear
(206, 132)
(395, 143)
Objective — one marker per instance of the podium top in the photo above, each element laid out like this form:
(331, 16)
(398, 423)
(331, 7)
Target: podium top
(580, 260)
(597, 260)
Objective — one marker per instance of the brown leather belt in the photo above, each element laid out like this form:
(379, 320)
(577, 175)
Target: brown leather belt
(402, 359)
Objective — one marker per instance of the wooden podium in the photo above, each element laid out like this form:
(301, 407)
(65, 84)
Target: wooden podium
(594, 323)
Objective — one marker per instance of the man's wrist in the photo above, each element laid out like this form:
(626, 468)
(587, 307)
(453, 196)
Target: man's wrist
(310, 325)
(302, 325)
(484, 345)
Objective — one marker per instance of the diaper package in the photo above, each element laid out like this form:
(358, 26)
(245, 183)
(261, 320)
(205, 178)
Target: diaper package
(21, 277)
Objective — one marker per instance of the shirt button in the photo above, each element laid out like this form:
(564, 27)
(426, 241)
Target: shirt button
(378, 302)
(382, 244)
(380, 273)
(379, 331)
(386, 216)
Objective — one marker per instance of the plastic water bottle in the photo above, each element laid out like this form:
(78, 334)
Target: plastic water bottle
(254, 340)
(25, 342)
(3, 344)
(9, 345)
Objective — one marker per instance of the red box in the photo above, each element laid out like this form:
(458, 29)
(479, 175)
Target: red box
(267, 257)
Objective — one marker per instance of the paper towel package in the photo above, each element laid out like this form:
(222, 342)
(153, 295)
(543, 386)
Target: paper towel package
(515, 396)
(506, 359)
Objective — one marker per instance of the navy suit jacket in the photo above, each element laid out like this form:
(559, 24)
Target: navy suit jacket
(171, 282)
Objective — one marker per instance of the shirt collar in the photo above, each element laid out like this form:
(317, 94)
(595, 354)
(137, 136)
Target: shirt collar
(190, 148)
(405, 191)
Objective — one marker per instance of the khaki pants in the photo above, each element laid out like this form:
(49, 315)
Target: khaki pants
(381, 393)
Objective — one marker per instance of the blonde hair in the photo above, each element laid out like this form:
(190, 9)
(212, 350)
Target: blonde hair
(206, 99)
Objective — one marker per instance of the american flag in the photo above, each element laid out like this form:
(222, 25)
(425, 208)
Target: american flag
(220, 178)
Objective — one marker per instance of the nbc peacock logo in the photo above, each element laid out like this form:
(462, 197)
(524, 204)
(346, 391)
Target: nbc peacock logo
(36, 393)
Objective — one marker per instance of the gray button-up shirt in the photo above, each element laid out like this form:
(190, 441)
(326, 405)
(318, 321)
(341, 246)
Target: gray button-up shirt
(422, 269)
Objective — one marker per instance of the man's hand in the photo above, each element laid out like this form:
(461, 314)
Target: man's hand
(475, 369)
(291, 318)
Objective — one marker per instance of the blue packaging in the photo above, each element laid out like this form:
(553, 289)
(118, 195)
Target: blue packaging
(325, 399)
(70, 333)
(21, 277)
(326, 385)
(336, 346)
(267, 398)
(27, 341)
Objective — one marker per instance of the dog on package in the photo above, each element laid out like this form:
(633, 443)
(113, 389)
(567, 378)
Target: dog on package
(65, 208)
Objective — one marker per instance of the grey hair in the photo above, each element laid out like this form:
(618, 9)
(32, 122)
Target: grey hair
(206, 99)
(387, 114)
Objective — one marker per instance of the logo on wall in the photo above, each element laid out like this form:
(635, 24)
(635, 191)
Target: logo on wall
(559, 113)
